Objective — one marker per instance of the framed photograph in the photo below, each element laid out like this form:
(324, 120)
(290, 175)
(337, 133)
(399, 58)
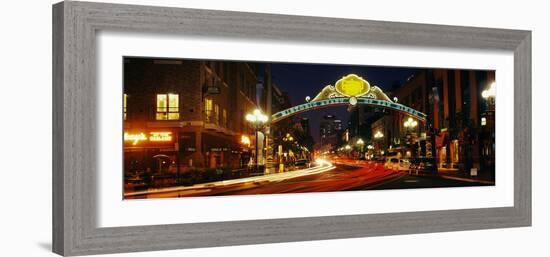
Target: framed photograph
(182, 128)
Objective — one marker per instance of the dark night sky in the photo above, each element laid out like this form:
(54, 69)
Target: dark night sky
(301, 80)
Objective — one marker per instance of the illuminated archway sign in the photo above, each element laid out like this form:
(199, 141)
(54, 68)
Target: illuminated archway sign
(349, 90)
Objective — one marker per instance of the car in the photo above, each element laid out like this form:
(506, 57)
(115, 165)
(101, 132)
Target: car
(397, 164)
(423, 165)
(301, 163)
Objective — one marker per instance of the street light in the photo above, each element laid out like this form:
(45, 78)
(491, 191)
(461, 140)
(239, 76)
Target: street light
(288, 137)
(379, 135)
(488, 122)
(360, 144)
(257, 117)
(245, 140)
(410, 123)
(258, 120)
(370, 149)
(490, 93)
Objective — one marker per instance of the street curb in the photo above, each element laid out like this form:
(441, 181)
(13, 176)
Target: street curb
(456, 178)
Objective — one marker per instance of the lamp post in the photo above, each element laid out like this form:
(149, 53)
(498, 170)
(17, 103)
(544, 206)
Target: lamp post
(348, 149)
(370, 150)
(258, 120)
(489, 94)
(289, 140)
(288, 137)
(410, 124)
(378, 135)
(487, 131)
(360, 144)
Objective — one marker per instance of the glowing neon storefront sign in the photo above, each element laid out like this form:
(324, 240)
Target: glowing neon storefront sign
(136, 138)
(160, 136)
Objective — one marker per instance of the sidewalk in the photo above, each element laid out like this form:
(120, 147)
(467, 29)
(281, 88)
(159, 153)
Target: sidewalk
(482, 177)
(274, 177)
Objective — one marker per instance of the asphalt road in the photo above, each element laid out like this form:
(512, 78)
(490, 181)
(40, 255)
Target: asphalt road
(342, 177)
(406, 181)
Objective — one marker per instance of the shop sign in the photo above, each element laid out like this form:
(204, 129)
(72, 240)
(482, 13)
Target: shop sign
(134, 138)
(219, 149)
(140, 138)
(160, 136)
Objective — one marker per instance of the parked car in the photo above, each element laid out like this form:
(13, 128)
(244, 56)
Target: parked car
(397, 164)
(423, 165)
(303, 163)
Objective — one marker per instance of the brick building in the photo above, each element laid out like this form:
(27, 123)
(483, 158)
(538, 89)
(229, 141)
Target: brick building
(198, 106)
(461, 124)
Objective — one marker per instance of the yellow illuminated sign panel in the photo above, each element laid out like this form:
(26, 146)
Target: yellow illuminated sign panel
(352, 86)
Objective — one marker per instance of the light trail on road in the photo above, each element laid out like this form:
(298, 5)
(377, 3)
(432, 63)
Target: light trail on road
(323, 166)
(326, 176)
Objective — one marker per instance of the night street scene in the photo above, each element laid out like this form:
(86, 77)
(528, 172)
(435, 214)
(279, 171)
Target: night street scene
(212, 128)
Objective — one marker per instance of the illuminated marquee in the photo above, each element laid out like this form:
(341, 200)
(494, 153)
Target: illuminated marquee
(136, 138)
(349, 90)
(352, 86)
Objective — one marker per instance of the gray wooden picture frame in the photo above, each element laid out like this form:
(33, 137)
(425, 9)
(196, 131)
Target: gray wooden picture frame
(75, 25)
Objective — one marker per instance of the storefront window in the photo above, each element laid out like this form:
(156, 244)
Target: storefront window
(224, 117)
(455, 151)
(168, 107)
(443, 156)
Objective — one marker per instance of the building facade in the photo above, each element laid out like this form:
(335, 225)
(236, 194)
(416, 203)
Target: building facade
(330, 131)
(198, 107)
(457, 108)
(460, 128)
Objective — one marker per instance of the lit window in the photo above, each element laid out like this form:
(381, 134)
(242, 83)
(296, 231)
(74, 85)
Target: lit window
(124, 105)
(224, 117)
(168, 107)
(208, 106)
(483, 121)
(217, 113)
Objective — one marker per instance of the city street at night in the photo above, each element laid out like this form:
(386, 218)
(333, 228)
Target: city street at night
(343, 175)
(213, 127)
